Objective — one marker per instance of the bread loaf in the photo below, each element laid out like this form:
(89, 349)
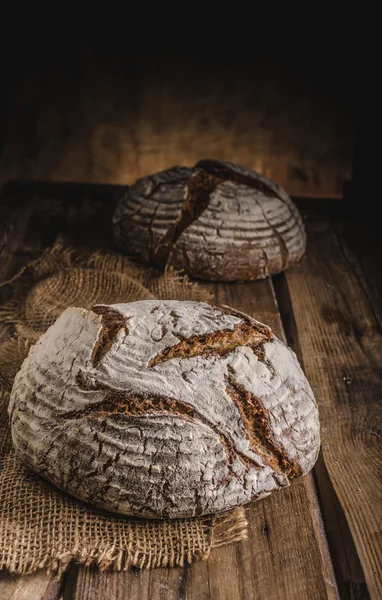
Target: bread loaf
(163, 408)
(216, 220)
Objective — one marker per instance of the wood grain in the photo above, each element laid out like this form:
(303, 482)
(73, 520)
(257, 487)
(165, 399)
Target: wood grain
(362, 251)
(347, 567)
(339, 337)
(169, 584)
(81, 113)
(38, 586)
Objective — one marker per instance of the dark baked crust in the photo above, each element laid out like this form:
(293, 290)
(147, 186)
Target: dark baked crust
(217, 221)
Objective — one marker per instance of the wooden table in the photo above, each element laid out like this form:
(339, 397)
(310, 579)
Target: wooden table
(321, 538)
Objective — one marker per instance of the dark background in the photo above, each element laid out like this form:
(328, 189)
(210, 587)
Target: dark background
(112, 111)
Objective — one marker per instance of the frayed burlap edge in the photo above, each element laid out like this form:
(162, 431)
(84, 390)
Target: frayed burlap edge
(230, 528)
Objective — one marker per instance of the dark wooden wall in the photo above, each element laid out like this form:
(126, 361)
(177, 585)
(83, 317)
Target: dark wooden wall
(83, 113)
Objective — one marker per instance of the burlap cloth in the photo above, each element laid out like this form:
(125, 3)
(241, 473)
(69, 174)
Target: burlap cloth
(41, 527)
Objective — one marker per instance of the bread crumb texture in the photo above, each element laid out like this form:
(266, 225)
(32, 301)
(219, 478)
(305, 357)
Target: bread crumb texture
(164, 409)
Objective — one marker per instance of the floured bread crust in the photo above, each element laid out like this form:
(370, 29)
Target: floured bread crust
(164, 408)
(216, 220)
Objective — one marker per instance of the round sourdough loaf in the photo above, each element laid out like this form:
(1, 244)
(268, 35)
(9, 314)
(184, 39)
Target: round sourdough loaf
(163, 408)
(216, 220)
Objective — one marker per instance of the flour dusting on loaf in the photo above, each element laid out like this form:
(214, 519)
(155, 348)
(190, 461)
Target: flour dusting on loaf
(164, 408)
(216, 220)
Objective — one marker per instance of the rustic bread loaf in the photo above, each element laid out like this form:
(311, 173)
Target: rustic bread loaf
(164, 408)
(216, 221)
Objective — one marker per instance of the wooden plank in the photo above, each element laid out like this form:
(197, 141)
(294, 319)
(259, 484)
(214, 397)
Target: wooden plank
(347, 567)
(286, 555)
(338, 334)
(91, 584)
(38, 586)
(362, 251)
(125, 115)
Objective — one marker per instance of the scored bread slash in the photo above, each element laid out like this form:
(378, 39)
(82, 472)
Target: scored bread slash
(220, 343)
(164, 409)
